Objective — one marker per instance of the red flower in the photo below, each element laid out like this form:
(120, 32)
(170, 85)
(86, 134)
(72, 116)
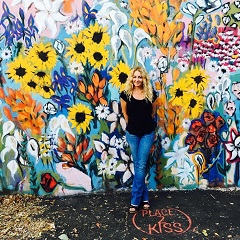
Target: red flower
(204, 132)
(191, 141)
(201, 135)
(219, 122)
(48, 182)
(212, 140)
(196, 125)
(208, 117)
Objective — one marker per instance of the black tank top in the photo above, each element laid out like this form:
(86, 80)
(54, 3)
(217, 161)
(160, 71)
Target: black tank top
(139, 113)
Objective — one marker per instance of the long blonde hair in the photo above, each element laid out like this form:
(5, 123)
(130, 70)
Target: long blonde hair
(147, 87)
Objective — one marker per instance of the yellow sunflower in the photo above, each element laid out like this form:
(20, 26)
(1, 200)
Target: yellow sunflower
(177, 91)
(98, 56)
(80, 117)
(193, 104)
(197, 79)
(20, 70)
(77, 49)
(31, 85)
(97, 34)
(119, 75)
(42, 77)
(46, 90)
(43, 55)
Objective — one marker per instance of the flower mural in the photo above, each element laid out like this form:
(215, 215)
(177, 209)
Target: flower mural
(63, 65)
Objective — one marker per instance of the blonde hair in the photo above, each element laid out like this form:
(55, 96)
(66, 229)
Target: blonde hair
(147, 87)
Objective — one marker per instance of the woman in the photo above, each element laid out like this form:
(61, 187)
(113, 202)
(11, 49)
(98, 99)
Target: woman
(139, 108)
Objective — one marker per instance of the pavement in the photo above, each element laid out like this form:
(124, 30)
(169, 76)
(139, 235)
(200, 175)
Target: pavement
(195, 214)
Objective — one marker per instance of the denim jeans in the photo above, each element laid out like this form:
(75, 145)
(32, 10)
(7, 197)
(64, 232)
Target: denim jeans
(140, 148)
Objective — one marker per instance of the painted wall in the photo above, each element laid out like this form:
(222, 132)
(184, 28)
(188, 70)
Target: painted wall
(63, 64)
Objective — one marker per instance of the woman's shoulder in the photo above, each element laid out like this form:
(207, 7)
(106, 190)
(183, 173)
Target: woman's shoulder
(123, 95)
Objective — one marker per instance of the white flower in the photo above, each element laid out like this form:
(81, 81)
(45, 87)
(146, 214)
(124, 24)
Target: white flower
(165, 143)
(106, 146)
(185, 172)
(59, 46)
(140, 56)
(153, 75)
(126, 38)
(13, 167)
(111, 166)
(102, 111)
(212, 87)
(147, 52)
(6, 54)
(154, 62)
(233, 147)
(213, 66)
(25, 3)
(222, 89)
(116, 117)
(102, 168)
(127, 167)
(33, 148)
(48, 15)
(183, 66)
(162, 64)
(103, 20)
(139, 35)
(119, 144)
(119, 18)
(123, 4)
(76, 67)
(177, 156)
(7, 128)
(49, 108)
(209, 5)
(192, 10)
(74, 26)
(186, 123)
(116, 44)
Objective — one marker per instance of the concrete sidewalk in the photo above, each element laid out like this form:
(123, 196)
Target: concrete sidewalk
(198, 214)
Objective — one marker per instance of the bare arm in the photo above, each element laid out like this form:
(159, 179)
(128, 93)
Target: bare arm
(124, 109)
(154, 109)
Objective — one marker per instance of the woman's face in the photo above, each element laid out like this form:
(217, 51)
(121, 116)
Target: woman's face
(137, 79)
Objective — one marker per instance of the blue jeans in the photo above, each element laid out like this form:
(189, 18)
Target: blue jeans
(140, 148)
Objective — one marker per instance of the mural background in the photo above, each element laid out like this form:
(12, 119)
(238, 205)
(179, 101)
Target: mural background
(63, 65)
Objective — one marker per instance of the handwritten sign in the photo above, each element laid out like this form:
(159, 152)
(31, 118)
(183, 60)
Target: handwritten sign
(165, 221)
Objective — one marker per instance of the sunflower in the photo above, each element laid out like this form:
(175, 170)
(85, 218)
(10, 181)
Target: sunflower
(193, 104)
(20, 70)
(98, 56)
(97, 34)
(31, 85)
(45, 90)
(42, 77)
(119, 75)
(177, 91)
(43, 56)
(198, 79)
(80, 117)
(77, 49)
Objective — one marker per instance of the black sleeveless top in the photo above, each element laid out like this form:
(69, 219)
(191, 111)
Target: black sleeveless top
(139, 113)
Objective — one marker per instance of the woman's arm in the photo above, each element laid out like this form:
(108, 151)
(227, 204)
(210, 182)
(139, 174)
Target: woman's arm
(154, 109)
(124, 109)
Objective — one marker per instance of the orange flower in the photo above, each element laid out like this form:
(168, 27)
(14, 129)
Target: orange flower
(71, 152)
(94, 90)
(24, 111)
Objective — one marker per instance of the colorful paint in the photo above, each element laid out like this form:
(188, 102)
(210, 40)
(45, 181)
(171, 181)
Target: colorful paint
(63, 65)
